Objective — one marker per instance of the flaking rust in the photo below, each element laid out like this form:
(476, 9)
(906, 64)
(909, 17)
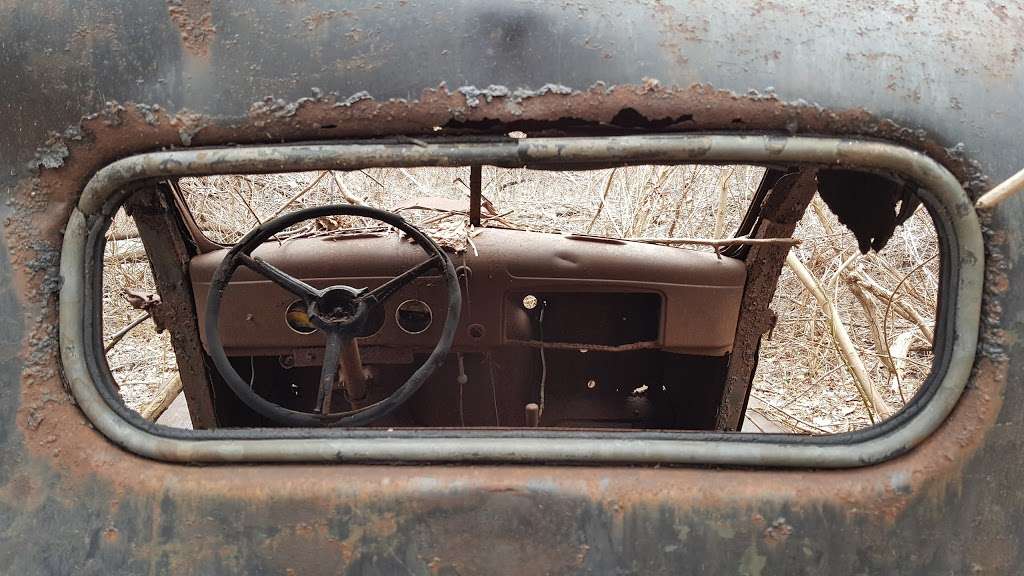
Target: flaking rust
(550, 109)
(350, 511)
(194, 21)
(121, 129)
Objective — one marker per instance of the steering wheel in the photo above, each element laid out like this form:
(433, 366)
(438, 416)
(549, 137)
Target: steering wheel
(340, 312)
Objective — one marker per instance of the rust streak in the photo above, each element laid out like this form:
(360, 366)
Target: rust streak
(194, 21)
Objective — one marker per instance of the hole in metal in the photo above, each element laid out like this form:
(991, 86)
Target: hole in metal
(413, 316)
(297, 318)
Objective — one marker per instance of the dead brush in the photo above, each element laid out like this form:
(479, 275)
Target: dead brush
(884, 302)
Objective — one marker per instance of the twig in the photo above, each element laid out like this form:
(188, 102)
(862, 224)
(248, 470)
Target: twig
(790, 416)
(129, 254)
(604, 196)
(818, 380)
(895, 305)
(126, 235)
(300, 194)
(723, 197)
(841, 270)
(873, 401)
(819, 211)
(719, 241)
(242, 198)
(886, 267)
(415, 182)
(885, 318)
(682, 200)
(367, 174)
(881, 342)
(162, 401)
(346, 193)
(211, 230)
(899, 352)
(439, 217)
(657, 199)
(747, 418)
(1001, 192)
(124, 331)
(648, 200)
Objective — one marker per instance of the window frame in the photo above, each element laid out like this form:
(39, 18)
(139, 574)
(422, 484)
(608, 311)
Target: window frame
(957, 316)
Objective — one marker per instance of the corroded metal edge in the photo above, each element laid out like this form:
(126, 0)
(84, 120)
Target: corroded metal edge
(953, 211)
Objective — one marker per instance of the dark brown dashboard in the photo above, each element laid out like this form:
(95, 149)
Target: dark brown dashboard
(600, 293)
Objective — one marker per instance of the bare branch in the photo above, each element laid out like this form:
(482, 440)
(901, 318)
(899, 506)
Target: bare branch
(873, 401)
(1001, 192)
(346, 193)
(300, 194)
(124, 331)
(723, 199)
(718, 242)
(604, 196)
(692, 177)
(252, 193)
(879, 338)
(900, 308)
(162, 400)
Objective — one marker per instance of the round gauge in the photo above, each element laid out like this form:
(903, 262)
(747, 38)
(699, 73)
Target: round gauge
(413, 316)
(297, 317)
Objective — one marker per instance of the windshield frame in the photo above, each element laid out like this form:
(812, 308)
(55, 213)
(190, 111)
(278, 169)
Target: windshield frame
(958, 314)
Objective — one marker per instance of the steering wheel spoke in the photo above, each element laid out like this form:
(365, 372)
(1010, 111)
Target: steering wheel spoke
(337, 311)
(278, 276)
(388, 289)
(329, 372)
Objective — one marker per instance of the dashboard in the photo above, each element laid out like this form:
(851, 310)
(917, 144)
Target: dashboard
(596, 292)
(557, 331)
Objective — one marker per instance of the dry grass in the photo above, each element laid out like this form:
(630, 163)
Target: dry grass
(801, 378)
(143, 359)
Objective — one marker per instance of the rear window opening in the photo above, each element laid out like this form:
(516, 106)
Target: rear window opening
(591, 299)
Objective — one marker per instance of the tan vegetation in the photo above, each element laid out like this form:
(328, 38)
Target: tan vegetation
(811, 378)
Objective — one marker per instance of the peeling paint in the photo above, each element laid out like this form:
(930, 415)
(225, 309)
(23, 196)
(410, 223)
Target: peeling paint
(74, 503)
(357, 97)
(46, 418)
(474, 94)
(194, 21)
(188, 124)
(50, 155)
(150, 113)
(778, 532)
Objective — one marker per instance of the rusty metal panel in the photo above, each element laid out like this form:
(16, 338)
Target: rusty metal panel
(784, 206)
(162, 235)
(88, 83)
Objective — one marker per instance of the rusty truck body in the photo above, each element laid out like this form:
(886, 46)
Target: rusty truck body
(374, 461)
